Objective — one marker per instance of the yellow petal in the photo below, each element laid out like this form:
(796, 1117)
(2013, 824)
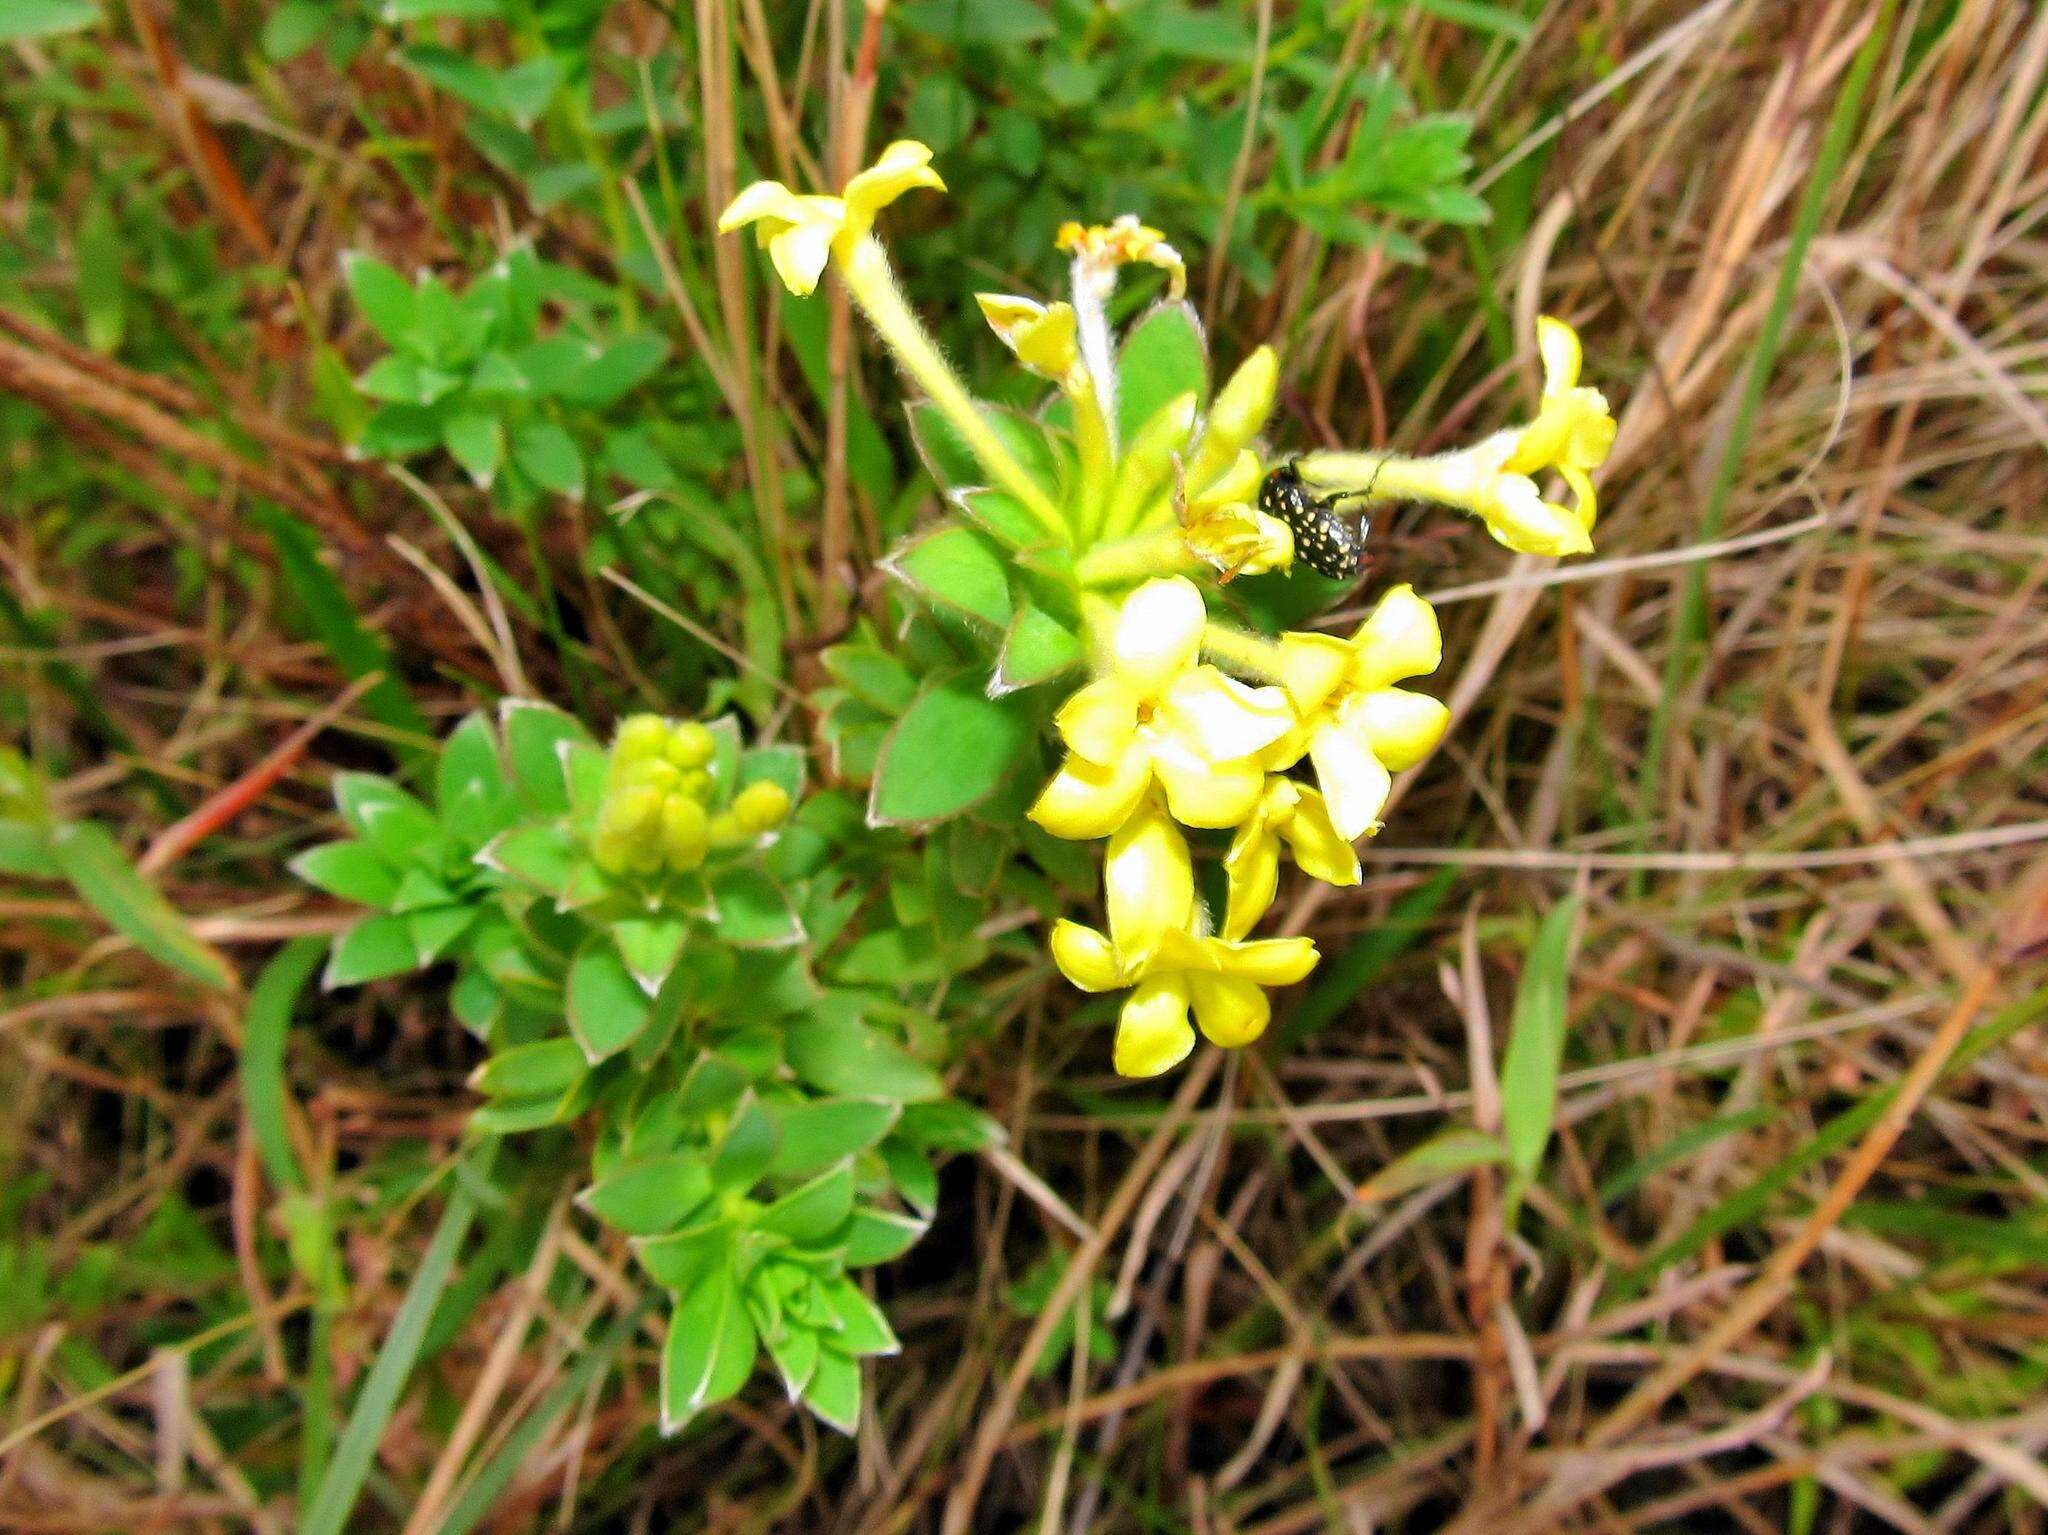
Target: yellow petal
(1223, 718)
(1239, 482)
(1312, 667)
(1200, 792)
(1353, 781)
(1100, 721)
(1148, 883)
(1158, 633)
(1252, 871)
(1041, 336)
(1517, 515)
(1319, 850)
(1269, 961)
(1400, 639)
(774, 202)
(902, 166)
(1558, 345)
(1232, 1013)
(1592, 431)
(1085, 801)
(800, 253)
(1586, 505)
(1402, 727)
(1152, 1033)
(1085, 957)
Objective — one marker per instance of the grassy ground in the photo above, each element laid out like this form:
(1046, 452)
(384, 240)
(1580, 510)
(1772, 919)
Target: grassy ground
(1784, 735)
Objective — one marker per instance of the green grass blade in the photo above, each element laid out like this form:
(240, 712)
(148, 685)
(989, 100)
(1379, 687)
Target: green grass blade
(336, 1497)
(1528, 1074)
(264, 1030)
(108, 883)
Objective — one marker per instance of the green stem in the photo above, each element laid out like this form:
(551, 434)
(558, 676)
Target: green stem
(873, 285)
(1098, 451)
(1239, 650)
(1129, 560)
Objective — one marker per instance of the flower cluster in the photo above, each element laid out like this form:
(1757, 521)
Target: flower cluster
(655, 815)
(1191, 725)
(1164, 740)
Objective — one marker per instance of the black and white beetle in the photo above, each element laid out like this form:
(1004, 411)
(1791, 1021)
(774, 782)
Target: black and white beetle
(1323, 538)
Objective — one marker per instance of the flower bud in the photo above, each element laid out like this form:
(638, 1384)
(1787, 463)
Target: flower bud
(684, 835)
(630, 811)
(641, 737)
(1239, 411)
(690, 744)
(761, 807)
(1148, 459)
(725, 830)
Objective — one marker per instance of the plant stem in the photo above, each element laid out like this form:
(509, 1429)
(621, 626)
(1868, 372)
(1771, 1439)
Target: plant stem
(1241, 651)
(873, 285)
(1162, 553)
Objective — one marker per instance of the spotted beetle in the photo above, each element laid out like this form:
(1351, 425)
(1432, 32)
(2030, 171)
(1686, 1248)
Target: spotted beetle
(1326, 542)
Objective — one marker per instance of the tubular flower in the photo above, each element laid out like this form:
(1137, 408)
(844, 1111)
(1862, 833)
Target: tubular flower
(1158, 716)
(1221, 980)
(1295, 814)
(1356, 727)
(801, 232)
(1100, 249)
(1041, 335)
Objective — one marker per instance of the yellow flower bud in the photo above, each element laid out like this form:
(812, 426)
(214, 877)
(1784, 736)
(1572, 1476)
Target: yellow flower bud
(1148, 460)
(630, 812)
(1240, 410)
(684, 832)
(640, 737)
(725, 830)
(761, 807)
(690, 744)
(612, 852)
(696, 783)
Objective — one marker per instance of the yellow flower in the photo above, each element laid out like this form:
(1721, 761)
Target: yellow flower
(1221, 980)
(1042, 335)
(1102, 248)
(1357, 728)
(800, 233)
(1237, 538)
(1571, 434)
(1159, 716)
(1148, 882)
(1287, 812)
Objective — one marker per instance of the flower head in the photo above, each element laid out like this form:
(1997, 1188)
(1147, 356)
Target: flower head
(802, 232)
(1042, 335)
(1223, 981)
(1158, 716)
(1296, 815)
(1357, 728)
(1237, 538)
(1099, 249)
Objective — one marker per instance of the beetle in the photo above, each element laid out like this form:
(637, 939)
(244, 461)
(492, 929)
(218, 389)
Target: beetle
(1323, 537)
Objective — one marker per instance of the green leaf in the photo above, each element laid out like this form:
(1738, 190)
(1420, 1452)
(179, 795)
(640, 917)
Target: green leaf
(650, 946)
(386, 299)
(476, 442)
(543, 855)
(1163, 358)
(795, 1352)
(384, 815)
(1443, 1155)
(811, 1213)
(956, 569)
(997, 22)
(825, 1130)
(862, 1327)
(535, 736)
(617, 370)
(525, 90)
(374, 948)
(607, 1008)
(753, 911)
(651, 1197)
(25, 851)
(354, 871)
(749, 1146)
(97, 256)
(874, 676)
(877, 1236)
(1528, 1078)
(105, 880)
(1003, 517)
(834, 1391)
(844, 1055)
(710, 1350)
(549, 454)
(1037, 649)
(264, 1030)
(951, 749)
(45, 18)
(547, 1067)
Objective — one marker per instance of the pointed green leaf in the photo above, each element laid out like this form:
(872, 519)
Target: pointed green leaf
(607, 1008)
